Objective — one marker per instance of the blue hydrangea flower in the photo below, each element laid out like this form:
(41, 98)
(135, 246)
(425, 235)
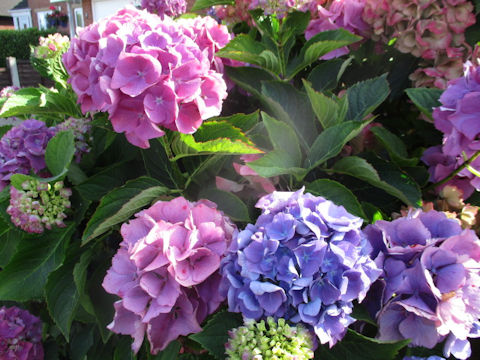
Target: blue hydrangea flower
(304, 260)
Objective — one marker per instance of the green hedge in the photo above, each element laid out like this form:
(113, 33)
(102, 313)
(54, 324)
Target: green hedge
(16, 42)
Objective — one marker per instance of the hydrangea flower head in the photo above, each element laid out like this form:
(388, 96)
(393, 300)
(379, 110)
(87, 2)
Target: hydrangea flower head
(81, 131)
(431, 30)
(51, 46)
(303, 260)
(148, 73)
(38, 206)
(166, 271)
(20, 335)
(165, 7)
(429, 290)
(457, 119)
(22, 149)
(269, 340)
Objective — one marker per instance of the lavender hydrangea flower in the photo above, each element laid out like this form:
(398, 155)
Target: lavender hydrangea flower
(434, 357)
(457, 118)
(38, 206)
(269, 340)
(20, 335)
(303, 260)
(165, 7)
(22, 149)
(429, 290)
(81, 131)
(166, 271)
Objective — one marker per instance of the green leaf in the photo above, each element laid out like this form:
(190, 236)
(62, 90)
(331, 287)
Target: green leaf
(81, 342)
(244, 48)
(40, 101)
(319, 45)
(24, 277)
(4, 128)
(18, 179)
(62, 296)
(404, 188)
(326, 109)
(394, 145)
(170, 353)
(9, 240)
(227, 202)
(425, 99)
(365, 96)
(123, 350)
(204, 4)
(326, 75)
(294, 23)
(275, 163)
(105, 180)
(283, 137)
(215, 332)
(213, 137)
(286, 157)
(242, 121)
(355, 346)
(337, 193)
(289, 105)
(249, 78)
(121, 203)
(331, 141)
(59, 152)
(27, 98)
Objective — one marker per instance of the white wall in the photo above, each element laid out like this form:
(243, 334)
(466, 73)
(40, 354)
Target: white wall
(102, 8)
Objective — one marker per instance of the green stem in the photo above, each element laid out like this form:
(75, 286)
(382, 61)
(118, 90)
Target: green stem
(455, 172)
(177, 173)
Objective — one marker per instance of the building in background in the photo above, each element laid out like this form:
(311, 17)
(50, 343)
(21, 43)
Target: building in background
(6, 19)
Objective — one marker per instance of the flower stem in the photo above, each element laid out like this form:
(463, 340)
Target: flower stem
(454, 173)
(177, 173)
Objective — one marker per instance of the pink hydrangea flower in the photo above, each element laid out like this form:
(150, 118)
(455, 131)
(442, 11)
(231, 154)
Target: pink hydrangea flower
(431, 30)
(148, 72)
(165, 7)
(166, 271)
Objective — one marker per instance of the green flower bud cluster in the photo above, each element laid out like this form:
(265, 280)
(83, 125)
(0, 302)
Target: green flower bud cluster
(38, 205)
(269, 340)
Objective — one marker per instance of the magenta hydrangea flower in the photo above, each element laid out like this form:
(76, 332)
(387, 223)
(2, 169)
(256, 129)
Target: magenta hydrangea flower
(457, 118)
(22, 149)
(149, 73)
(20, 335)
(303, 260)
(429, 290)
(39, 206)
(165, 7)
(166, 271)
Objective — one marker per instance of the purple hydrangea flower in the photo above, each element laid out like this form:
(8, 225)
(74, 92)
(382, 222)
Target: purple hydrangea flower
(457, 118)
(148, 73)
(434, 357)
(20, 335)
(22, 149)
(303, 260)
(165, 7)
(429, 290)
(81, 131)
(166, 271)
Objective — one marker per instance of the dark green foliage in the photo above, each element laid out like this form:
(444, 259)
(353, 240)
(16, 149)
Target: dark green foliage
(17, 43)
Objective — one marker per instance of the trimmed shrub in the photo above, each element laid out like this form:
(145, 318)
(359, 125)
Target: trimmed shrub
(17, 42)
